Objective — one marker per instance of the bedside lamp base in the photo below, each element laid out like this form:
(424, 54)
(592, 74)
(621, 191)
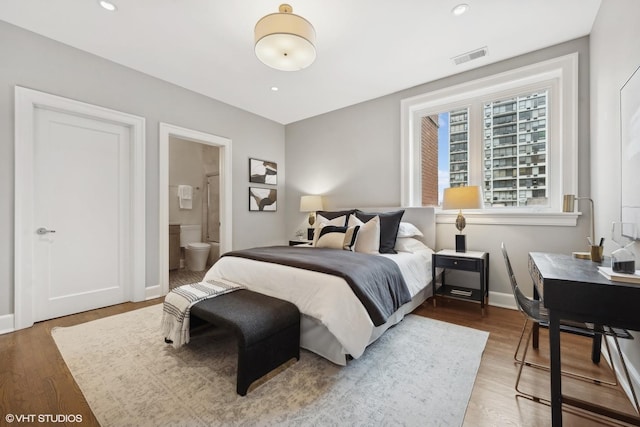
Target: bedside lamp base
(461, 243)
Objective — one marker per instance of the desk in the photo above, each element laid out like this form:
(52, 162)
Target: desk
(573, 289)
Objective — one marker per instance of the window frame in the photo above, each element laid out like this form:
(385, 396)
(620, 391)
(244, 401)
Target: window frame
(559, 76)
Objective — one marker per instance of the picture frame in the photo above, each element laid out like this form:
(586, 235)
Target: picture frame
(263, 171)
(630, 151)
(263, 199)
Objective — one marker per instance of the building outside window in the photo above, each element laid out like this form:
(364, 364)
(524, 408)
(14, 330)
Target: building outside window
(514, 150)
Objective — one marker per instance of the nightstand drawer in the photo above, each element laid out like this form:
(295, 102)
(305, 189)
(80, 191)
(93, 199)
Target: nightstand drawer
(459, 263)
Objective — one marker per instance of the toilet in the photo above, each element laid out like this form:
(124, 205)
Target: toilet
(196, 252)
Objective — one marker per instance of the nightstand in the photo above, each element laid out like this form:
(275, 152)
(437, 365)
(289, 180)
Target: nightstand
(473, 261)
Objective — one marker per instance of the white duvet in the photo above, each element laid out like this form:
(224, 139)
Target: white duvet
(326, 298)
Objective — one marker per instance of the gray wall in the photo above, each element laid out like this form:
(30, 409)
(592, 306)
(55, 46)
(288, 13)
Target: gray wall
(615, 55)
(35, 62)
(352, 156)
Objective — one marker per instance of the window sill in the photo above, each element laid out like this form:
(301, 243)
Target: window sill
(491, 217)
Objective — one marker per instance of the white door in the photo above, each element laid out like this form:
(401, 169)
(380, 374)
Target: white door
(81, 213)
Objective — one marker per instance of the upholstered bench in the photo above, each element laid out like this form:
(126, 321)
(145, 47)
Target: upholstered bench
(267, 330)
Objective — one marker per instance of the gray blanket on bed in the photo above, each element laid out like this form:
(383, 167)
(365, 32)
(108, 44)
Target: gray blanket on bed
(375, 280)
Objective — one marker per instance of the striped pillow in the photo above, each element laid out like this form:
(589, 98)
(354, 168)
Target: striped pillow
(334, 237)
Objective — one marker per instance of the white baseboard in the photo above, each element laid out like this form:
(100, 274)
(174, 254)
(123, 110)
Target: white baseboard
(633, 372)
(6, 324)
(500, 299)
(152, 292)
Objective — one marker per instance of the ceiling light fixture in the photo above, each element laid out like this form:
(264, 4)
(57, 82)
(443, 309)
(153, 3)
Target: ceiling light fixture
(285, 41)
(108, 5)
(460, 9)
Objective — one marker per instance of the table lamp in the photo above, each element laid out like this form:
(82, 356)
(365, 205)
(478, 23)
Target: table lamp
(462, 198)
(568, 205)
(311, 204)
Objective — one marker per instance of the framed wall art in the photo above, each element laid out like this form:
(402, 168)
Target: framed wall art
(263, 172)
(263, 199)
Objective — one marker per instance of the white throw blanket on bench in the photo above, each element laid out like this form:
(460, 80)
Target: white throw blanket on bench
(178, 303)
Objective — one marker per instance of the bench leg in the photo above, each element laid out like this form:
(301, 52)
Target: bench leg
(259, 359)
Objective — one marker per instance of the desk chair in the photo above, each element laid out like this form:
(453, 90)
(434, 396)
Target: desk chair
(534, 311)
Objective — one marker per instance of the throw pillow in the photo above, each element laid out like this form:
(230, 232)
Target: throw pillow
(407, 229)
(335, 237)
(329, 215)
(368, 239)
(389, 224)
(322, 221)
(409, 244)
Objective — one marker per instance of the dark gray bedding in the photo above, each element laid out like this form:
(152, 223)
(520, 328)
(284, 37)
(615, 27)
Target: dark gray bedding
(375, 280)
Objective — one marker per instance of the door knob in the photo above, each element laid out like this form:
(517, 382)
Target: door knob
(43, 230)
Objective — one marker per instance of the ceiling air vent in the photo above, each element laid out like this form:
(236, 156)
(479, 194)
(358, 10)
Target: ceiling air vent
(470, 56)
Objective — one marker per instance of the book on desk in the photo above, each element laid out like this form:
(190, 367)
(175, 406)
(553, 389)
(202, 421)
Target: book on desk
(620, 277)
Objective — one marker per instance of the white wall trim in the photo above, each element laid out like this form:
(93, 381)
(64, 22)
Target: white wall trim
(26, 101)
(226, 202)
(494, 217)
(501, 299)
(6, 324)
(152, 292)
(633, 373)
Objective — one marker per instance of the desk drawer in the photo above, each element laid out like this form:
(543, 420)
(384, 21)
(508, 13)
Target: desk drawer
(458, 263)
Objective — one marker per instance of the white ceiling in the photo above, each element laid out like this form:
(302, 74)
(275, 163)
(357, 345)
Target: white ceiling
(366, 48)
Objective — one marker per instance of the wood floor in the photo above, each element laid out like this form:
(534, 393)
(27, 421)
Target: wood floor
(35, 380)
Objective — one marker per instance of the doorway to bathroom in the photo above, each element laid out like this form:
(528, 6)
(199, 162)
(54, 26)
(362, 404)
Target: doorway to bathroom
(181, 268)
(194, 209)
(195, 203)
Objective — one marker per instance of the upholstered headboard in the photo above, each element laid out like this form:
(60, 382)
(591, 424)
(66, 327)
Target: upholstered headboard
(422, 217)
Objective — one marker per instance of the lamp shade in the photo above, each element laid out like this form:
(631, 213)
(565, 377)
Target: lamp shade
(310, 203)
(462, 198)
(285, 41)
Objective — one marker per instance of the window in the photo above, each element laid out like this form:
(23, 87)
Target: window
(514, 134)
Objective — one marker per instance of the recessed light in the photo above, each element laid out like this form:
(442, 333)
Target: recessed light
(274, 88)
(107, 5)
(460, 9)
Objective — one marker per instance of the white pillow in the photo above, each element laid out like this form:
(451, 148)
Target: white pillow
(322, 221)
(368, 239)
(409, 244)
(407, 229)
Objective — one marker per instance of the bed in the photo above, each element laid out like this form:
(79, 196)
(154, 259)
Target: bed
(335, 323)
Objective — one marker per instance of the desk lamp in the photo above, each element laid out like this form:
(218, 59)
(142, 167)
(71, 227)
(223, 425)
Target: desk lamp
(568, 205)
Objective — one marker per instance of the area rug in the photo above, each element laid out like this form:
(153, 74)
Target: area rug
(420, 372)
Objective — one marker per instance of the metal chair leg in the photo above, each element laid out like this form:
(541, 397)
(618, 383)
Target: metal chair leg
(524, 327)
(570, 374)
(524, 358)
(566, 373)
